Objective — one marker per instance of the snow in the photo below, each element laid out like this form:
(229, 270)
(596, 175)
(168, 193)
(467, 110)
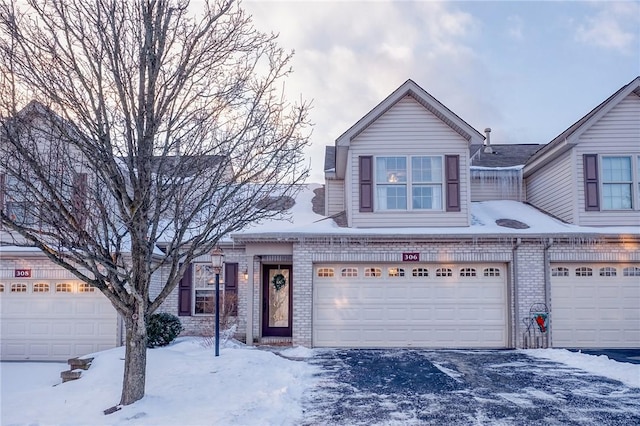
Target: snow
(304, 222)
(187, 385)
(600, 365)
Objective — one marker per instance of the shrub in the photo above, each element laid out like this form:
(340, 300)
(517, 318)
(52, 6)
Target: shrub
(162, 329)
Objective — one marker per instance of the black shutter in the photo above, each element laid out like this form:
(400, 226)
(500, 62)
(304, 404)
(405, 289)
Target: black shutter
(184, 292)
(591, 198)
(366, 183)
(452, 184)
(231, 285)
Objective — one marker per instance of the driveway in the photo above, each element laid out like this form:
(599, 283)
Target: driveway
(423, 387)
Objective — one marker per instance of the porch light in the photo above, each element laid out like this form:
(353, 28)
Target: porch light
(217, 259)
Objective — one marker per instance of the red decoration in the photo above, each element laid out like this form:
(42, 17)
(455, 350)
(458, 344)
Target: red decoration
(540, 320)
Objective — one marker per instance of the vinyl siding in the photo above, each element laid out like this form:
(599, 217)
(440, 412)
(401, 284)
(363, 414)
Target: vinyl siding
(495, 188)
(551, 188)
(334, 196)
(618, 132)
(408, 129)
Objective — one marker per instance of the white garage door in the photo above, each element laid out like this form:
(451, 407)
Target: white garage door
(427, 305)
(595, 305)
(46, 320)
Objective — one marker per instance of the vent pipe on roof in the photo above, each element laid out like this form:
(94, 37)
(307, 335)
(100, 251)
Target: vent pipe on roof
(487, 142)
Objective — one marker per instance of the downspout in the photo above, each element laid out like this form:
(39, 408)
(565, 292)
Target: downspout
(516, 310)
(547, 288)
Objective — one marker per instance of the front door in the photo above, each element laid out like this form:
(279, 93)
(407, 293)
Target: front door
(276, 301)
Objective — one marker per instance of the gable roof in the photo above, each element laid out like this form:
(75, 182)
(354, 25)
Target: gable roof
(507, 155)
(408, 88)
(567, 139)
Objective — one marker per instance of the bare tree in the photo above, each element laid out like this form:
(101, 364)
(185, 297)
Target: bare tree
(154, 125)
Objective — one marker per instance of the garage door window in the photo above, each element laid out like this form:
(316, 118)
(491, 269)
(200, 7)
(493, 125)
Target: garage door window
(41, 288)
(560, 271)
(325, 272)
(608, 272)
(64, 288)
(468, 272)
(444, 272)
(1, 288)
(349, 272)
(584, 271)
(631, 271)
(491, 272)
(18, 288)
(395, 272)
(420, 272)
(372, 272)
(85, 288)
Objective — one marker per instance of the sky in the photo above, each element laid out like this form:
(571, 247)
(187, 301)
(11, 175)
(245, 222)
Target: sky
(187, 385)
(526, 69)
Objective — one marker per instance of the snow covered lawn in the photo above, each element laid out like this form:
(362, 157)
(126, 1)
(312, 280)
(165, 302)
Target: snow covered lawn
(186, 385)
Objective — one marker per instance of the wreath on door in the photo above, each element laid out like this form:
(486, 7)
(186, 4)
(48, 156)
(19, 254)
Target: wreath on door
(278, 281)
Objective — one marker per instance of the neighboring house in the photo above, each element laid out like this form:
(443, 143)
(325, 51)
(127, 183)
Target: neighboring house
(425, 234)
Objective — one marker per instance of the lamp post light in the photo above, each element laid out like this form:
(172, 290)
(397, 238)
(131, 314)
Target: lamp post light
(217, 259)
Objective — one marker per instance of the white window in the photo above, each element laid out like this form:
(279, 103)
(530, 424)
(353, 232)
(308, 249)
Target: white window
(41, 288)
(420, 179)
(444, 272)
(617, 183)
(85, 288)
(391, 183)
(204, 288)
(64, 288)
(18, 288)
(205, 302)
(426, 183)
(325, 272)
(608, 272)
(395, 272)
(468, 272)
(560, 271)
(632, 271)
(584, 271)
(349, 272)
(420, 272)
(491, 272)
(372, 272)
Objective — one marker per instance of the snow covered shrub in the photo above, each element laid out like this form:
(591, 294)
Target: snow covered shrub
(162, 329)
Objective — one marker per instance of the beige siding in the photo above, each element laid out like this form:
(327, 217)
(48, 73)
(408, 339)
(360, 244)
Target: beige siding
(334, 193)
(408, 129)
(494, 188)
(618, 132)
(552, 188)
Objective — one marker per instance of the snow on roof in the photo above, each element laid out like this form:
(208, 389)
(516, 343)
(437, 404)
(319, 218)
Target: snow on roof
(483, 223)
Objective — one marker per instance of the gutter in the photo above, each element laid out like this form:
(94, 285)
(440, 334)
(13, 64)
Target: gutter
(547, 289)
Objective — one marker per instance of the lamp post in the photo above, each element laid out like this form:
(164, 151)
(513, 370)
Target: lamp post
(217, 259)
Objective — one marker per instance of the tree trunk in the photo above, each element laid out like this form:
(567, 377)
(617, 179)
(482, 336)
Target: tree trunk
(135, 359)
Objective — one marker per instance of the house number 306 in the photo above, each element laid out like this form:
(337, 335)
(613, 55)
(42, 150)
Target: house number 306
(22, 273)
(410, 257)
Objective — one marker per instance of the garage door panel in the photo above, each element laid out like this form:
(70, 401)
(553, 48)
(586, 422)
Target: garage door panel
(55, 326)
(595, 311)
(411, 311)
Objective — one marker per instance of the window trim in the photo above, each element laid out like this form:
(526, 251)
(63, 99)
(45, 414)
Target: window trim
(409, 184)
(633, 183)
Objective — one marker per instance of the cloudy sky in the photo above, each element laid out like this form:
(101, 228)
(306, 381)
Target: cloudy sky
(528, 70)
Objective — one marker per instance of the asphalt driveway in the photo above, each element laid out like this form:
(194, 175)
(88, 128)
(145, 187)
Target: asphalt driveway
(422, 387)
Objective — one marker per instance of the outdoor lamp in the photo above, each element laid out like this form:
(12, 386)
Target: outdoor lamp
(217, 259)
